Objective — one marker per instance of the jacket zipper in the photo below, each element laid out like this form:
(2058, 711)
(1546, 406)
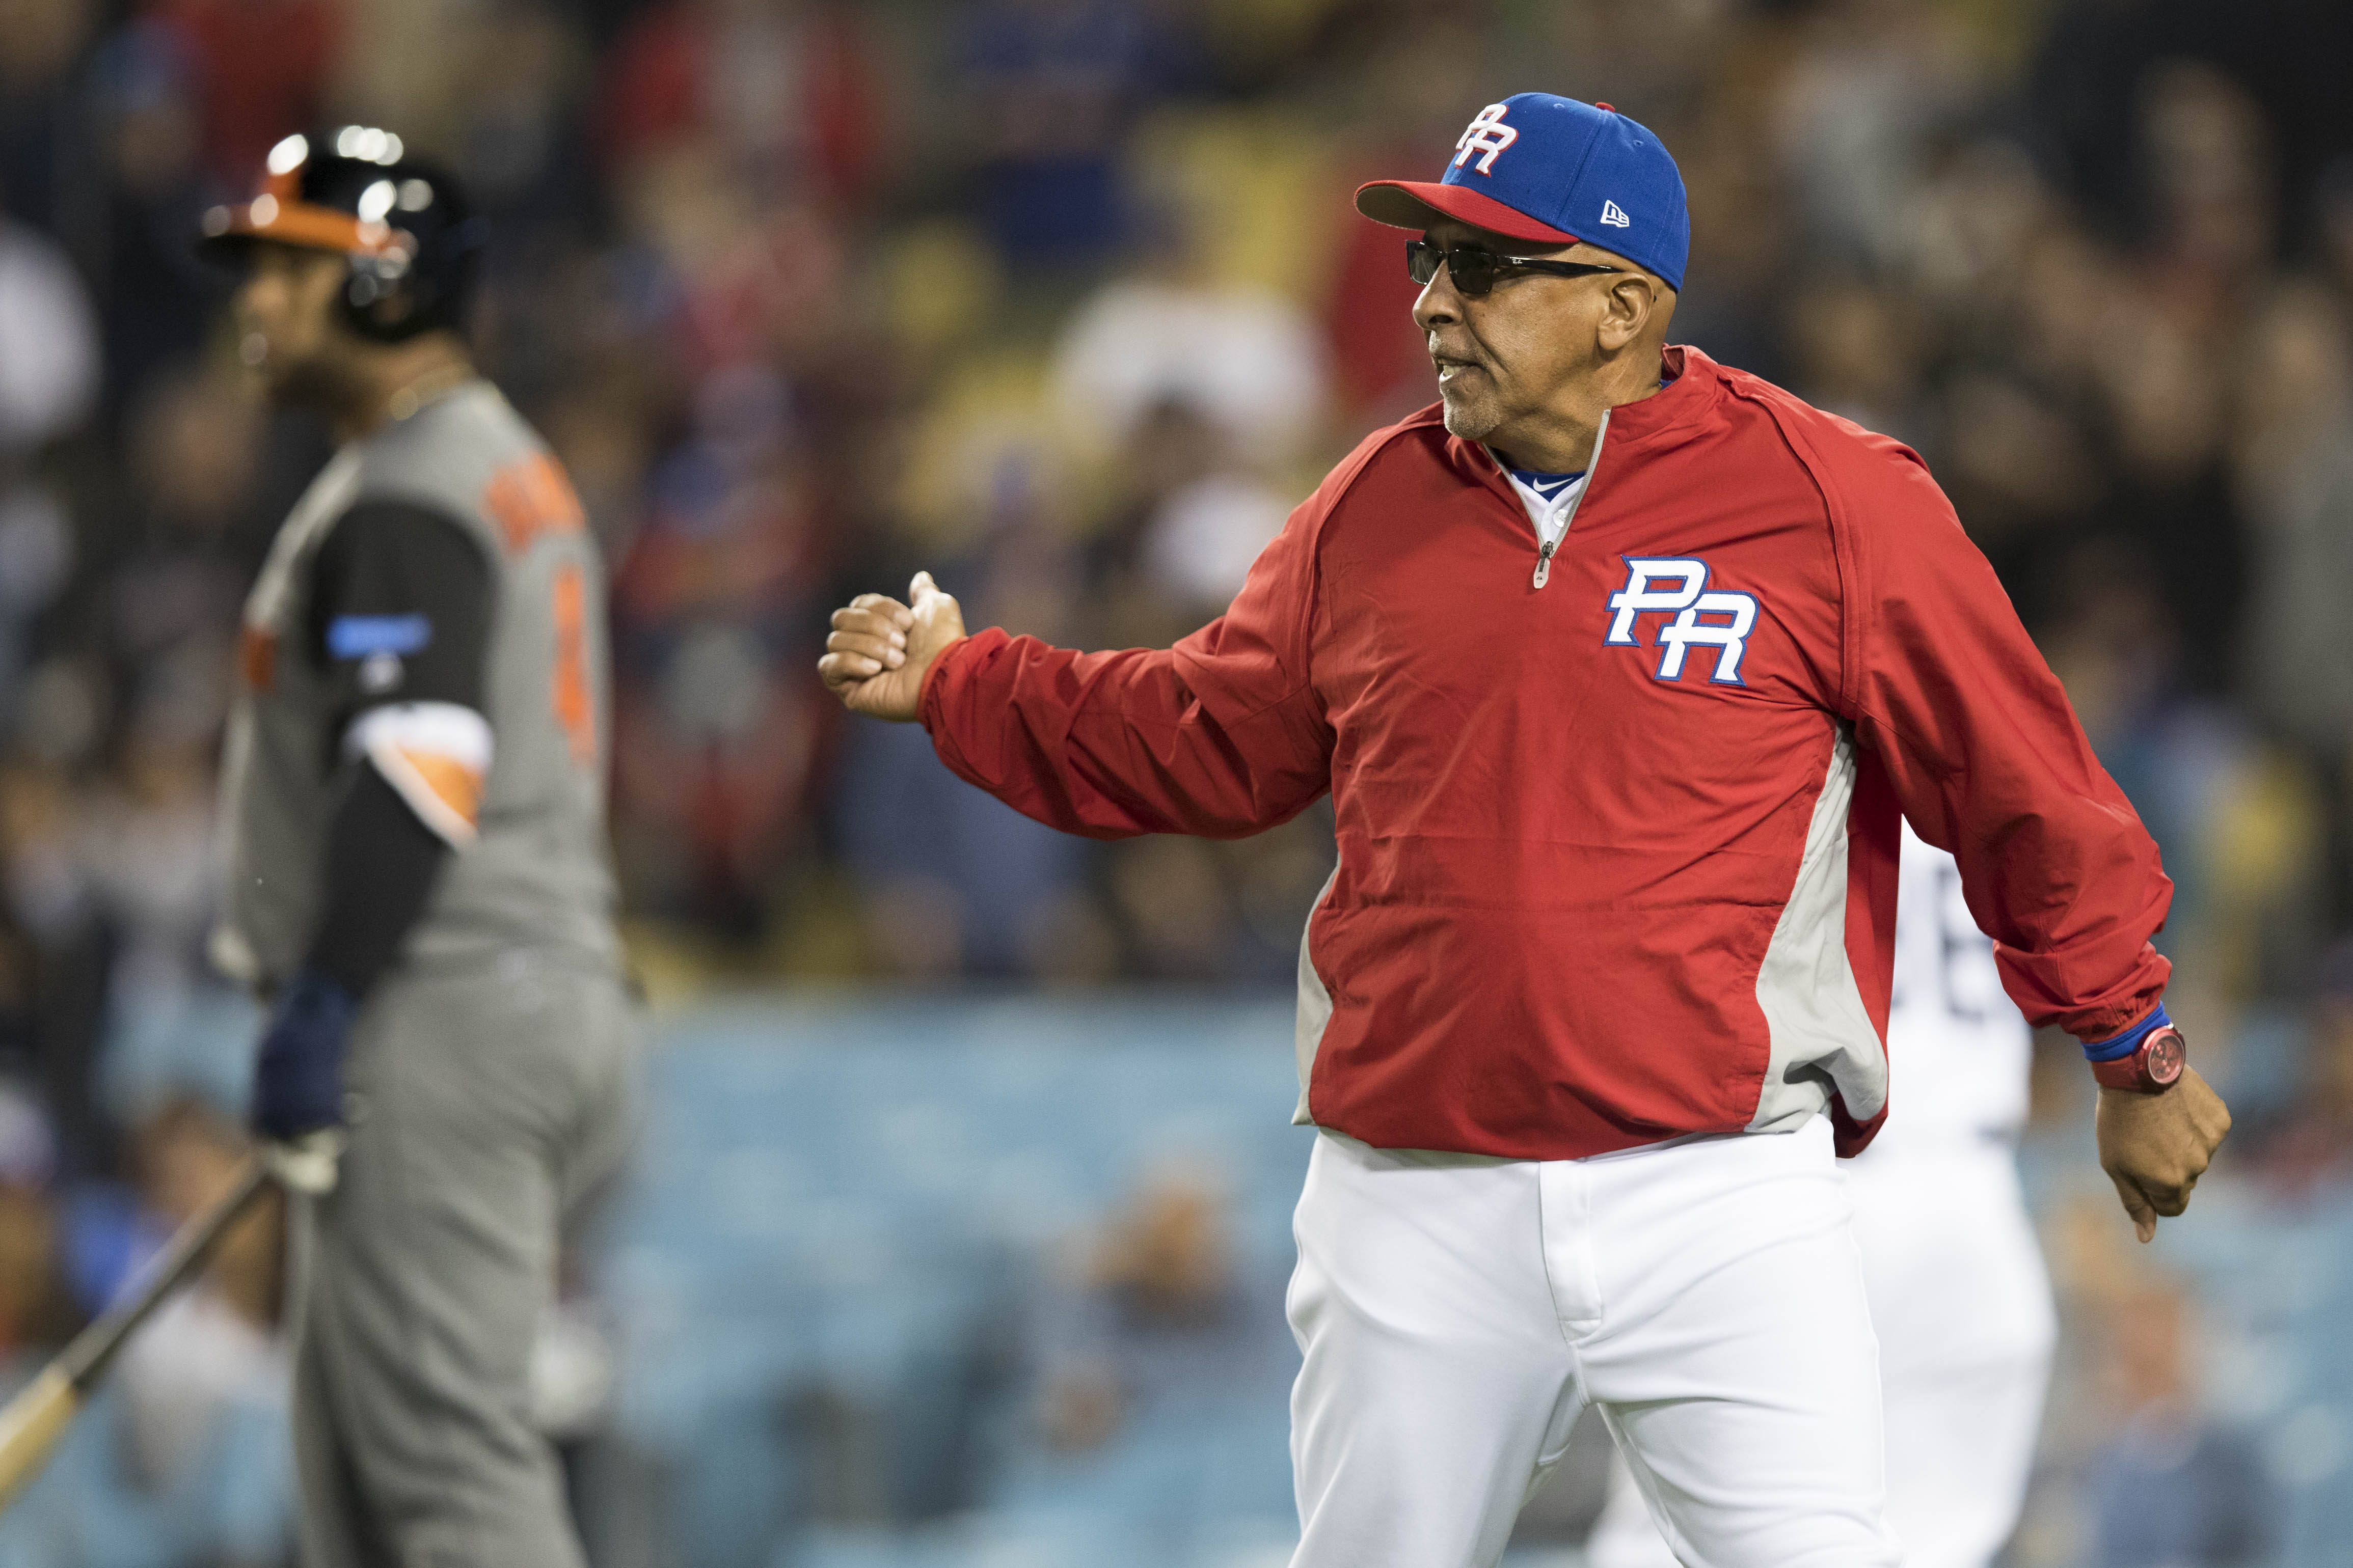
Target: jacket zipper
(1548, 540)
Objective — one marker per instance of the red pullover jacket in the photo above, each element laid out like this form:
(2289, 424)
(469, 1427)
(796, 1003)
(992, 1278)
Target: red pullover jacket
(1617, 852)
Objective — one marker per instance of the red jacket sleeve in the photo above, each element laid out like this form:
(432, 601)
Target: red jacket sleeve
(1221, 736)
(1986, 755)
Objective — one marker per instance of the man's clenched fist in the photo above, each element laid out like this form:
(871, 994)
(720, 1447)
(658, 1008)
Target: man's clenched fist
(2155, 1146)
(879, 649)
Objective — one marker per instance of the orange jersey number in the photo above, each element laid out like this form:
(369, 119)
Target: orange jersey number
(573, 710)
(530, 500)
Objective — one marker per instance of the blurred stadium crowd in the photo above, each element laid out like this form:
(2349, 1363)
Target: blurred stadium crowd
(1064, 301)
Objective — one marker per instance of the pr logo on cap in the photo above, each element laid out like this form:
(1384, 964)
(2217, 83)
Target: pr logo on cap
(1486, 136)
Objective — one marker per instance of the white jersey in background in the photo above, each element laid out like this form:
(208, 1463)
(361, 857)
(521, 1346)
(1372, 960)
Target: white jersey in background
(1958, 1296)
(1953, 1035)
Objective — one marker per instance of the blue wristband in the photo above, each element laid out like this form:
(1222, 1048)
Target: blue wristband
(2128, 1042)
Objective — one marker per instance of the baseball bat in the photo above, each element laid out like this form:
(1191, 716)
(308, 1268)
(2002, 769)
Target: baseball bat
(32, 1422)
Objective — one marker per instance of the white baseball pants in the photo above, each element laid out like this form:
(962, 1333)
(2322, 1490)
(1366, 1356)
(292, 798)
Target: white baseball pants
(1963, 1309)
(1455, 1312)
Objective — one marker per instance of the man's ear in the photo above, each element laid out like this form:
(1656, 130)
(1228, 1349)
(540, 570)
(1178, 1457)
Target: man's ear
(1633, 300)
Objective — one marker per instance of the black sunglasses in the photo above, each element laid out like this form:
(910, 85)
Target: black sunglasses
(1474, 267)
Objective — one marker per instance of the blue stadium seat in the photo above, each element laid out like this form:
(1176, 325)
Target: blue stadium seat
(835, 1196)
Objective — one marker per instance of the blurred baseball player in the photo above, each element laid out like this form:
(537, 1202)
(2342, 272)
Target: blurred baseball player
(413, 792)
(1957, 1291)
(1619, 666)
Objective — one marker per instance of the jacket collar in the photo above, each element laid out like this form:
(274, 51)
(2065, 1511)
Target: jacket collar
(1693, 379)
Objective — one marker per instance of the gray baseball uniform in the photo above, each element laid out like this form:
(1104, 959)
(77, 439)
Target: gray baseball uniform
(489, 1070)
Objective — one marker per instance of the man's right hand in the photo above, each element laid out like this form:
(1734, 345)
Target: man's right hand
(879, 650)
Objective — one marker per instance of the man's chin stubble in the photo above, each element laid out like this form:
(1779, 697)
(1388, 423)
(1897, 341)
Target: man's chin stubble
(1465, 419)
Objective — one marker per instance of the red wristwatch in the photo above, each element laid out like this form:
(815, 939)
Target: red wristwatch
(2153, 1067)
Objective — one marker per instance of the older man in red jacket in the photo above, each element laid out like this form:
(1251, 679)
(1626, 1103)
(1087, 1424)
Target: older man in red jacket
(1622, 667)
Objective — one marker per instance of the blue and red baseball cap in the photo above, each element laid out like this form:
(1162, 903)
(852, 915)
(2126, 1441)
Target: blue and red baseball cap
(1553, 171)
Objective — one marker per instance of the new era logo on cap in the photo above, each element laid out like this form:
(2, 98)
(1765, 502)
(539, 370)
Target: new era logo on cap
(1549, 170)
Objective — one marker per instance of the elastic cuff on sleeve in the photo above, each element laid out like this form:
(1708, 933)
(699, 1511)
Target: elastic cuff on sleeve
(925, 707)
(2124, 1044)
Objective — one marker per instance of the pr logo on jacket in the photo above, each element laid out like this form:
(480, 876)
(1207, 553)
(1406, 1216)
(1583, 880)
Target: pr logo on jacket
(1677, 585)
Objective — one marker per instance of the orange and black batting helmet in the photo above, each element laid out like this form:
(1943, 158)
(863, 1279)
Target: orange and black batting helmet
(403, 224)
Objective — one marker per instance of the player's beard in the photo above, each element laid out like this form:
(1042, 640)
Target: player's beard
(309, 382)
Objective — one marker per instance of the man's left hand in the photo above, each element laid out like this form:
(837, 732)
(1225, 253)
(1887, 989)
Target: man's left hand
(2155, 1146)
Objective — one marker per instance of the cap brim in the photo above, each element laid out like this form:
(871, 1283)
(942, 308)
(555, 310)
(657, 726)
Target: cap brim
(1417, 203)
(231, 229)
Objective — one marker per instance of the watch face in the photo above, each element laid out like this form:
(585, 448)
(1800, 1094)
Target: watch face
(2163, 1056)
